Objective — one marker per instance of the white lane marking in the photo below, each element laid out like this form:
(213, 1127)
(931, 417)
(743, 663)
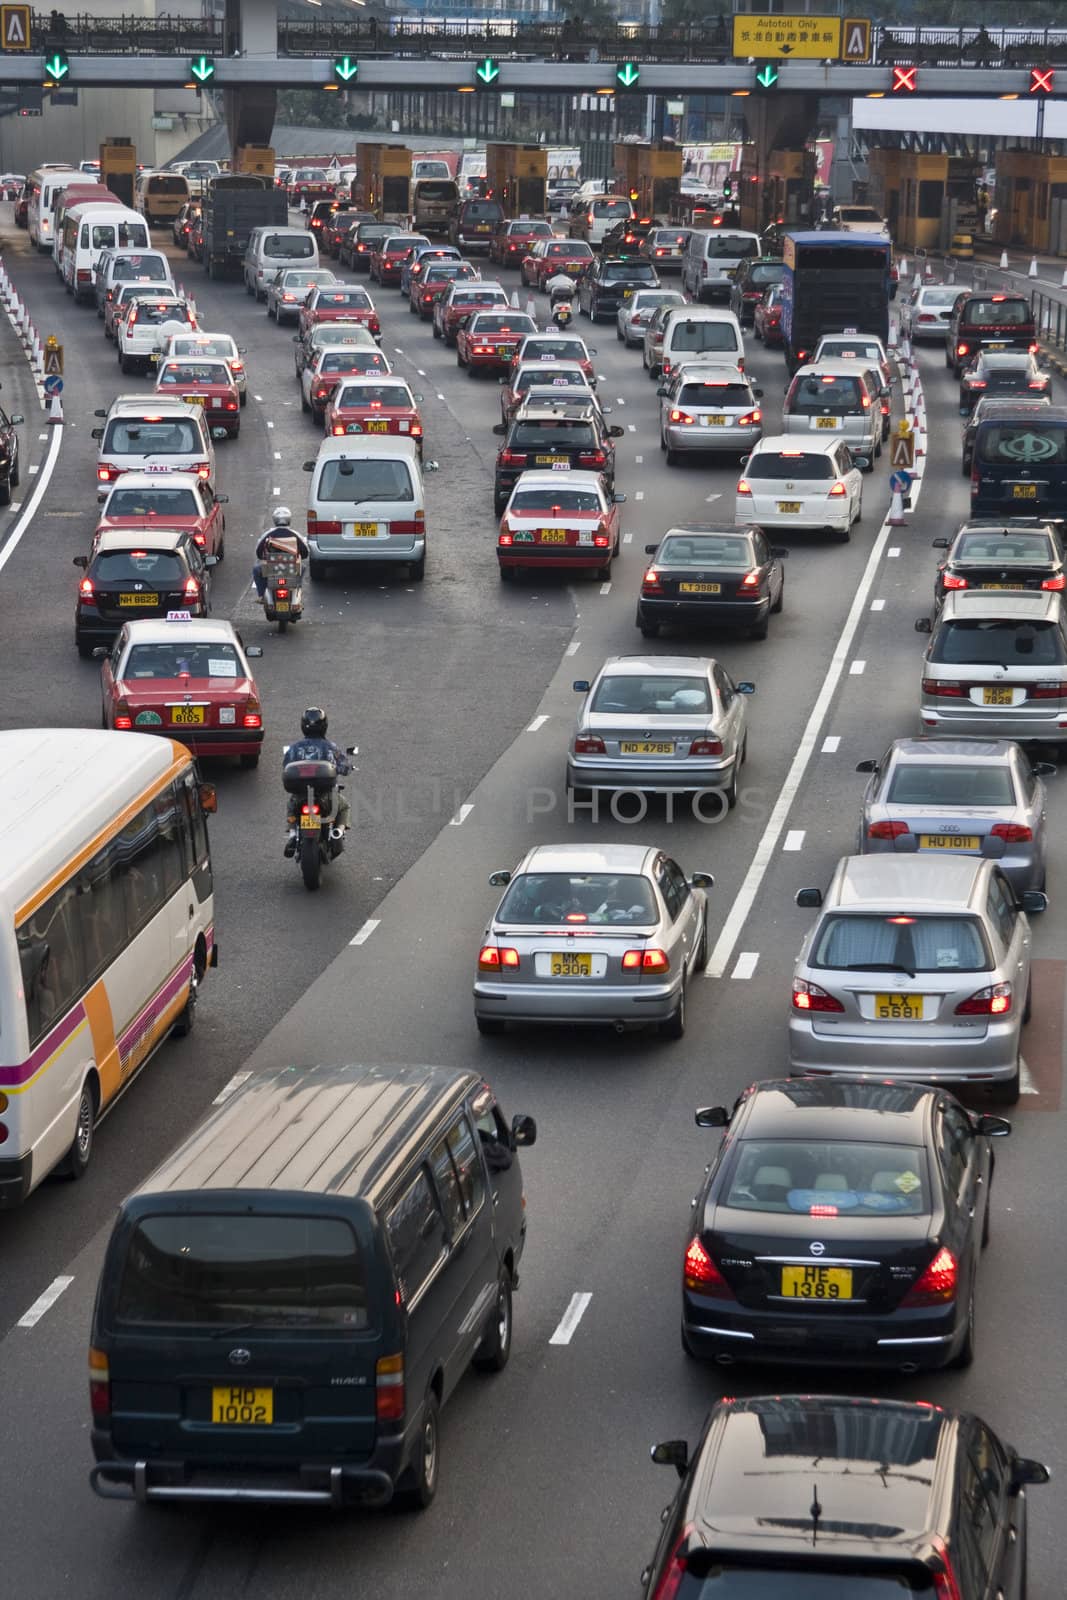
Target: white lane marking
(605, 588)
(16, 507)
(893, 553)
(42, 437)
(44, 1302)
(640, 495)
(570, 1319)
(877, 605)
(461, 815)
(35, 498)
(745, 964)
(258, 397)
(277, 455)
(746, 897)
(365, 932)
(574, 647)
(831, 744)
(440, 397)
(538, 722)
(632, 426)
(639, 461)
(399, 349)
(420, 372)
(231, 1087)
(34, 468)
(856, 668)
(1026, 1079)
(276, 491)
(628, 538)
(622, 402)
(270, 424)
(708, 498)
(794, 839)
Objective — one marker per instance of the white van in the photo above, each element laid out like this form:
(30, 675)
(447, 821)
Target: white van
(88, 230)
(47, 182)
(270, 250)
(367, 503)
(115, 267)
(711, 258)
(592, 220)
(700, 333)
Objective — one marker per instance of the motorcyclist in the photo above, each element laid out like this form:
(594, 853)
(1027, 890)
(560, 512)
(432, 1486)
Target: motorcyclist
(281, 538)
(560, 287)
(314, 746)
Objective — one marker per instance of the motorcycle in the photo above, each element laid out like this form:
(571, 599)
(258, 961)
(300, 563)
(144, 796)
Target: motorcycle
(283, 595)
(562, 314)
(317, 782)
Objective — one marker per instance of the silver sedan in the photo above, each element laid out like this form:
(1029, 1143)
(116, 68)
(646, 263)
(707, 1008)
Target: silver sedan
(290, 287)
(712, 408)
(960, 796)
(592, 934)
(635, 314)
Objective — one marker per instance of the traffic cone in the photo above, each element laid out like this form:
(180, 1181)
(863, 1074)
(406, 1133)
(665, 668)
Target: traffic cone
(917, 281)
(896, 510)
(1032, 273)
(531, 310)
(1003, 260)
(928, 270)
(902, 267)
(514, 299)
(55, 410)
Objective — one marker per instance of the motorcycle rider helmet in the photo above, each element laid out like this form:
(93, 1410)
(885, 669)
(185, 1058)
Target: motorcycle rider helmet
(281, 516)
(313, 723)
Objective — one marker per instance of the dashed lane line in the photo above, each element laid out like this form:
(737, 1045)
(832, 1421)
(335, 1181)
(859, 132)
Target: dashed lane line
(745, 965)
(44, 1302)
(365, 932)
(568, 1323)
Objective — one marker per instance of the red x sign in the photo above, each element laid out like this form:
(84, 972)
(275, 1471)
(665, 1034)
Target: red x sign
(904, 80)
(1042, 80)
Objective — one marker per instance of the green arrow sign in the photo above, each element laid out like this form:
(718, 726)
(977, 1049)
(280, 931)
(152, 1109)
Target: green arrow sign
(202, 69)
(58, 67)
(346, 68)
(628, 74)
(767, 76)
(487, 70)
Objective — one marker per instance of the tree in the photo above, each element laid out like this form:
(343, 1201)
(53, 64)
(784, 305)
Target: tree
(590, 16)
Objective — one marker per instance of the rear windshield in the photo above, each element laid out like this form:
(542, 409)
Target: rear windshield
(953, 784)
(859, 214)
(358, 360)
(353, 299)
(714, 394)
(372, 230)
(627, 272)
(103, 235)
(531, 230)
(556, 349)
(569, 248)
(214, 660)
(482, 211)
(610, 208)
(437, 191)
(212, 344)
(766, 273)
(1033, 548)
(270, 1271)
(128, 269)
(447, 271)
(817, 394)
(375, 394)
(289, 246)
(849, 350)
(155, 315)
(843, 1582)
(715, 549)
(479, 297)
(1032, 444)
(657, 695)
(297, 278)
(161, 503)
(132, 436)
(730, 247)
(544, 898)
(352, 482)
(997, 313)
(490, 322)
(909, 944)
(196, 372)
(172, 184)
(780, 464)
(549, 376)
(147, 566)
(559, 434)
(946, 296)
(823, 1177)
(556, 498)
(704, 336)
(999, 642)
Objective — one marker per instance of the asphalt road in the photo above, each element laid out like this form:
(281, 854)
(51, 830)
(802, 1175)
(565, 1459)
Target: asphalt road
(546, 1485)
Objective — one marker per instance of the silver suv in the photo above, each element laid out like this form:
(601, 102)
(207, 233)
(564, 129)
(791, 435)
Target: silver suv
(996, 664)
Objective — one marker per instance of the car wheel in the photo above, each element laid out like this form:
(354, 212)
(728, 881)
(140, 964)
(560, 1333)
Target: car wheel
(75, 1163)
(5, 493)
(965, 467)
(125, 365)
(700, 960)
(435, 329)
(761, 629)
(988, 1201)
(489, 1024)
(673, 1027)
(316, 570)
(1006, 1093)
(507, 574)
(780, 602)
(419, 1484)
(417, 570)
(250, 760)
(649, 630)
(965, 1354)
(1028, 1005)
(495, 1347)
(304, 403)
(618, 334)
(671, 456)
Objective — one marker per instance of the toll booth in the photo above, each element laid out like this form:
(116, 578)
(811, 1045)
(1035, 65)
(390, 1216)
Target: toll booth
(383, 180)
(1031, 201)
(257, 158)
(516, 176)
(783, 193)
(118, 168)
(924, 198)
(651, 175)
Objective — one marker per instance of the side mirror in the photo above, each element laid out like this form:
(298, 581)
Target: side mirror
(923, 625)
(580, 685)
(1026, 1471)
(619, 499)
(241, 349)
(744, 461)
(1034, 901)
(296, 338)
(662, 391)
(222, 499)
(499, 879)
(672, 1453)
(16, 418)
(863, 462)
(80, 561)
(309, 466)
(254, 650)
(940, 544)
(779, 553)
(523, 1131)
(605, 411)
(702, 880)
(870, 765)
(650, 549)
(218, 433)
(209, 800)
(712, 1117)
(431, 466)
(758, 393)
(97, 433)
(616, 432)
(992, 1127)
(99, 413)
(211, 561)
(419, 399)
(745, 687)
(809, 898)
(499, 428)
(1044, 769)
(100, 652)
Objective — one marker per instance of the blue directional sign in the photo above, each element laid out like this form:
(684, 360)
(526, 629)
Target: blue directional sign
(53, 385)
(899, 482)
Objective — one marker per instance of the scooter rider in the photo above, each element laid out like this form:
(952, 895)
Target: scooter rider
(314, 746)
(281, 538)
(560, 287)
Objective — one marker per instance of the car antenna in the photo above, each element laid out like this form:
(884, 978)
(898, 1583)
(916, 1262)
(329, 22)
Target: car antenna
(816, 1513)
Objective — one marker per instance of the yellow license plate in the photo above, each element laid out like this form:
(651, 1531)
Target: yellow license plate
(700, 588)
(553, 536)
(571, 964)
(1002, 586)
(646, 747)
(998, 697)
(137, 599)
(949, 841)
(715, 422)
(240, 1407)
(310, 823)
(186, 716)
(789, 505)
(827, 422)
(550, 461)
(898, 1007)
(1024, 491)
(195, 399)
(994, 345)
(817, 1283)
(281, 606)
(364, 530)
(627, 294)
(377, 427)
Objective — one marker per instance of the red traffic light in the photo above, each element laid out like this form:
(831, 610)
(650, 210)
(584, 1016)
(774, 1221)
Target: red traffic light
(1042, 80)
(904, 80)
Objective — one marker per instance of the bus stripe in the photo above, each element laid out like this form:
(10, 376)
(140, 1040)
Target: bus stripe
(142, 1025)
(17, 1079)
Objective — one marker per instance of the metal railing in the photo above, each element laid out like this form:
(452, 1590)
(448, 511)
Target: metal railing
(123, 36)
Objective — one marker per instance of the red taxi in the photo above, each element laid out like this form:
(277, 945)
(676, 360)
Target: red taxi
(180, 500)
(564, 378)
(375, 405)
(188, 680)
(435, 283)
(489, 340)
(555, 347)
(329, 302)
(210, 384)
(389, 253)
(513, 240)
(767, 317)
(463, 301)
(550, 256)
(310, 184)
(559, 520)
(320, 378)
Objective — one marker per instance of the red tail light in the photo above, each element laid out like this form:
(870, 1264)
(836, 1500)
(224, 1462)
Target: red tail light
(865, 402)
(315, 525)
(750, 419)
(676, 1570)
(492, 957)
(646, 961)
(702, 1275)
(650, 582)
(389, 1389)
(836, 491)
(282, 592)
(99, 1385)
(592, 458)
(951, 581)
(887, 830)
(338, 430)
(505, 539)
(706, 747)
(123, 716)
(192, 589)
(200, 541)
(252, 719)
(809, 997)
(309, 811)
(1047, 691)
(589, 744)
(1058, 582)
(993, 1001)
(85, 588)
(977, 383)
(681, 416)
(1033, 349)
(512, 458)
(203, 470)
(945, 1584)
(104, 473)
(938, 1283)
(416, 430)
(751, 580)
(743, 487)
(962, 350)
(942, 689)
(601, 541)
(1011, 832)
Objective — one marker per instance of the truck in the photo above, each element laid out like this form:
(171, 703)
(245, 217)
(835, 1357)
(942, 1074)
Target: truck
(834, 283)
(233, 206)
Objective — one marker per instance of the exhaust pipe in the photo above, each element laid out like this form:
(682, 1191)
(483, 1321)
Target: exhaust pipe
(724, 1361)
(620, 1027)
(909, 1368)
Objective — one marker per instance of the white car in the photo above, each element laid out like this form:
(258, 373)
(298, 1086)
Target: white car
(927, 311)
(859, 219)
(807, 484)
(635, 314)
(222, 345)
(149, 324)
(853, 347)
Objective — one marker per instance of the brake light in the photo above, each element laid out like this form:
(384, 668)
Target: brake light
(203, 470)
(749, 419)
(702, 1274)
(962, 350)
(706, 747)
(1039, 383)
(282, 591)
(505, 539)
(123, 716)
(389, 1389)
(945, 1584)
(937, 1284)
(865, 402)
(99, 1384)
(809, 997)
(589, 219)
(200, 541)
(942, 689)
(237, 366)
(589, 744)
(104, 473)
(131, 318)
(231, 405)
(309, 811)
(751, 580)
(836, 491)
(338, 429)
(1032, 348)
(1058, 582)
(993, 1001)
(681, 416)
(646, 961)
(978, 383)
(601, 541)
(1047, 691)
(85, 588)
(743, 487)
(887, 830)
(252, 716)
(427, 299)
(492, 957)
(650, 580)
(926, 316)
(592, 458)
(416, 430)
(1012, 832)
(513, 458)
(951, 581)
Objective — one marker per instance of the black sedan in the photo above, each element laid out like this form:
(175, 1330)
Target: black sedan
(9, 454)
(1000, 553)
(713, 576)
(840, 1223)
(611, 282)
(989, 409)
(556, 436)
(1004, 373)
(627, 236)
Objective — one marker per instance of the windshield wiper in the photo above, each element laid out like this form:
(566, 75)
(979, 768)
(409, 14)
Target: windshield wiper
(876, 966)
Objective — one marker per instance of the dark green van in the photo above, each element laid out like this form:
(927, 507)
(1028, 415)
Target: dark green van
(290, 1298)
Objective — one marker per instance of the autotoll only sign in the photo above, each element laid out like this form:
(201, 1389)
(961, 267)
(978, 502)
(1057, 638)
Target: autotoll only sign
(814, 38)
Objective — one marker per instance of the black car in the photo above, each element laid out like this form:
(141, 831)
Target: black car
(613, 280)
(1001, 553)
(988, 321)
(703, 574)
(988, 406)
(626, 237)
(358, 244)
(841, 1222)
(9, 454)
(1015, 373)
(754, 276)
(138, 572)
(555, 436)
(474, 224)
(835, 1498)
